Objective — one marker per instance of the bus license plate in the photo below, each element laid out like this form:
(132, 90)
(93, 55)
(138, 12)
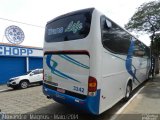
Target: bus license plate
(60, 90)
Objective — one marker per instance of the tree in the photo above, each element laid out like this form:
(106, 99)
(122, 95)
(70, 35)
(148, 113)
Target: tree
(147, 19)
(155, 47)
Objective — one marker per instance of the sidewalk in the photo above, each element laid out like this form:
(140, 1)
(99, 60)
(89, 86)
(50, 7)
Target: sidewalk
(4, 87)
(146, 105)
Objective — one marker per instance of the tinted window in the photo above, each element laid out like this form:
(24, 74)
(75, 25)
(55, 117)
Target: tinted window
(67, 28)
(36, 72)
(114, 38)
(40, 71)
(28, 72)
(141, 50)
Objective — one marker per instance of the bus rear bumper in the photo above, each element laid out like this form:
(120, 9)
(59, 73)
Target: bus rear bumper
(89, 105)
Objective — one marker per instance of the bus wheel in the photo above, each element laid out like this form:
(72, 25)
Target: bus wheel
(128, 92)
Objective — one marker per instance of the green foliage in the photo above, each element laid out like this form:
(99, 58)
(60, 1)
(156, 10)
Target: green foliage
(147, 18)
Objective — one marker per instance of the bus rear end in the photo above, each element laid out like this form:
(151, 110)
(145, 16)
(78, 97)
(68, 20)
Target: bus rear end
(66, 62)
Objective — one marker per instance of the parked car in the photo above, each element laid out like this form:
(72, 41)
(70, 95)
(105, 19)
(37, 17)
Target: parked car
(34, 76)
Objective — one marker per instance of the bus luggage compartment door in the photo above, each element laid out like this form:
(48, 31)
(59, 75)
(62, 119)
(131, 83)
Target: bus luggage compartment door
(67, 72)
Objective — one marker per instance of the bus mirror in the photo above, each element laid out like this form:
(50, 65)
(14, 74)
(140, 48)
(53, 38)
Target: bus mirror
(108, 23)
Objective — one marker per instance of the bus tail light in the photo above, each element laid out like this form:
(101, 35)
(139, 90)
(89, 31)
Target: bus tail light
(92, 86)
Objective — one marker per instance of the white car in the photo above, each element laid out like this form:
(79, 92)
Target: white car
(34, 76)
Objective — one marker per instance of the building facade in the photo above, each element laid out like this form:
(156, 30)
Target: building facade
(16, 60)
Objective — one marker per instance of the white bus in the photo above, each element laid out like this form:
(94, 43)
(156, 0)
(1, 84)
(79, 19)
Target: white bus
(90, 62)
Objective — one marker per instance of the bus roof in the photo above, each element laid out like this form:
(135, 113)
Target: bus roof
(71, 13)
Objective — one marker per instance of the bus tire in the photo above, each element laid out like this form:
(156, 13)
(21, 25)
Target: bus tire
(128, 92)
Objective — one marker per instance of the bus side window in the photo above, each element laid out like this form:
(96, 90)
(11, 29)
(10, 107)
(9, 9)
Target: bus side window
(139, 50)
(147, 51)
(114, 38)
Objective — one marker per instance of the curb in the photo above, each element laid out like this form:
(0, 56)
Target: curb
(3, 90)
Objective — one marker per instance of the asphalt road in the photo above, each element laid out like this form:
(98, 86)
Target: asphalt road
(32, 101)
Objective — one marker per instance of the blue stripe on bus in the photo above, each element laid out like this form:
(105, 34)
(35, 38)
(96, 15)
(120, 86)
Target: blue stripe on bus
(74, 61)
(129, 64)
(128, 61)
(55, 71)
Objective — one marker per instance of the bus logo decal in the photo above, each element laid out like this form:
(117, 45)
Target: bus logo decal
(74, 27)
(55, 71)
(129, 64)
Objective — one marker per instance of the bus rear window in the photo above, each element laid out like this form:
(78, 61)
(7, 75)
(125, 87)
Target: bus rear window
(72, 27)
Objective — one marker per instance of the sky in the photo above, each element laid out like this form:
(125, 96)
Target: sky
(36, 13)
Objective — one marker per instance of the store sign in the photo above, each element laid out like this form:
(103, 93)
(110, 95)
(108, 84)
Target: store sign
(19, 51)
(14, 34)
